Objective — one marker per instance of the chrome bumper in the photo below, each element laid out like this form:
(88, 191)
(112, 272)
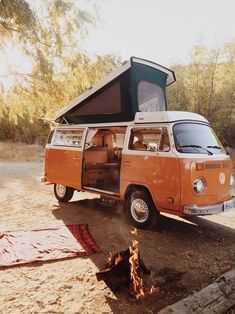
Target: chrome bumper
(195, 210)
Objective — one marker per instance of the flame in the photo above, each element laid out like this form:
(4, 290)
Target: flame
(137, 287)
(117, 259)
(153, 290)
(109, 260)
(113, 259)
(134, 232)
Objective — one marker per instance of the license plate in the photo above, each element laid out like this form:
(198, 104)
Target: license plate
(228, 205)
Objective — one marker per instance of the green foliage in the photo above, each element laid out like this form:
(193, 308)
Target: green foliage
(48, 32)
(25, 106)
(207, 86)
(16, 19)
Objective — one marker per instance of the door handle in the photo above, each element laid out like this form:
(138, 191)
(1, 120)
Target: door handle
(76, 158)
(127, 163)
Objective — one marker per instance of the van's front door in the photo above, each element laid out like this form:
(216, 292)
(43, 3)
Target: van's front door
(63, 161)
(148, 160)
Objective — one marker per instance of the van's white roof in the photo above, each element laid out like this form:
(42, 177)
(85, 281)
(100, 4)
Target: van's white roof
(147, 118)
(167, 116)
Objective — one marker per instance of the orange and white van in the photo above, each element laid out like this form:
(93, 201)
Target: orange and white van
(181, 168)
(159, 161)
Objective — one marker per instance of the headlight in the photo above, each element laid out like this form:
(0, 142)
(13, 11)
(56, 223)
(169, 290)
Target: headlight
(232, 181)
(198, 185)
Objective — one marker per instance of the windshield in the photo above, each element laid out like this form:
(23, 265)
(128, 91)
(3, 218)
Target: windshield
(197, 139)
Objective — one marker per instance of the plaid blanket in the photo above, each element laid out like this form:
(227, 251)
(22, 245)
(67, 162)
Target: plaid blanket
(21, 247)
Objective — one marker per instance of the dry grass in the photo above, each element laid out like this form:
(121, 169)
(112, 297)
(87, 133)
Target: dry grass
(19, 151)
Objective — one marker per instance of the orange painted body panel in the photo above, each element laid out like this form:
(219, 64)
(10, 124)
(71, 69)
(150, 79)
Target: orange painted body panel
(214, 192)
(64, 166)
(172, 177)
(169, 178)
(160, 174)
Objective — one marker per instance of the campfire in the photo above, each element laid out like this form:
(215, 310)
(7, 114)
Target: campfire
(124, 269)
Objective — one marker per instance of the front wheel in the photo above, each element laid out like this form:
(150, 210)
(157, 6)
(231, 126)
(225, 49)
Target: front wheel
(63, 193)
(141, 210)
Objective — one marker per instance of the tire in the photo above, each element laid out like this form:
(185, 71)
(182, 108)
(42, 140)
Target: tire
(63, 193)
(141, 210)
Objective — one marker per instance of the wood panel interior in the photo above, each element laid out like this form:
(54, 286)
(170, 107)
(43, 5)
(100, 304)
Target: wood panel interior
(102, 160)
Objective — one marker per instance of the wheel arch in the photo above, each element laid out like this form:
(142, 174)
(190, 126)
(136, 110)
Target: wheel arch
(66, 196)
(135, 187)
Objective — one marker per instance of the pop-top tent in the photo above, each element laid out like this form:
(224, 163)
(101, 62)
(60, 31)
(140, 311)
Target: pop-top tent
(138, 85)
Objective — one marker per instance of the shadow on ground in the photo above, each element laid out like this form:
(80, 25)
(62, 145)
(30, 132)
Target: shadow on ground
(183, 255)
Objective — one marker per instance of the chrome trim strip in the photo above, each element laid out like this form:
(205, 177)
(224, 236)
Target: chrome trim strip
(99, 190)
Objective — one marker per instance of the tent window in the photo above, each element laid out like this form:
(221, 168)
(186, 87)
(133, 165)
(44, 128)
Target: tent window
(150, 97)
(107, 102)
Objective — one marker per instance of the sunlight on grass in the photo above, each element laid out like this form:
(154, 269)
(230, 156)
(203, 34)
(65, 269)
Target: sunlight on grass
(19, 152)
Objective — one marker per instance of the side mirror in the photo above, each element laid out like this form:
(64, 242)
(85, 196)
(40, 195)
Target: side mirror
(152, 147)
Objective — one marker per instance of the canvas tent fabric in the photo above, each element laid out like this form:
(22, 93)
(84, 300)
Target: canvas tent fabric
(116, 98)
(22, 247)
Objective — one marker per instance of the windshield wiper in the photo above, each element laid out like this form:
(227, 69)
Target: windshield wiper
(215, 146)
(197, 146)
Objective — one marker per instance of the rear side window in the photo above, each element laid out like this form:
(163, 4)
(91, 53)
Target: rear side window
(68, 138)
(50, 137)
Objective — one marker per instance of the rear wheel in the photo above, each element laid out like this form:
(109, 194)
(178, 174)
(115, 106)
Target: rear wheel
(63, 193)
(141, 210)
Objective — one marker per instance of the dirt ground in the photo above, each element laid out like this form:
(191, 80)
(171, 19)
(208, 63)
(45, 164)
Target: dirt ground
(183, 255)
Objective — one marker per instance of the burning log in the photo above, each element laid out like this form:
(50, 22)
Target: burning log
(125, 269)
(117, 271)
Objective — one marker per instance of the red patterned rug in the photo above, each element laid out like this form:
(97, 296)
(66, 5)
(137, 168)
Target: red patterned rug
(22, 247)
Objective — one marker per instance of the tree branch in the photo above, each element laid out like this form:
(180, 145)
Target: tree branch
(8, 27)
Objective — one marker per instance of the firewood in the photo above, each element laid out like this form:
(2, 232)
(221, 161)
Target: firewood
(119, 269)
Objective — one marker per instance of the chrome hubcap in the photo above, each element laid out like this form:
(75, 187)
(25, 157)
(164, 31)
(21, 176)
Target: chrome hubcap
(139, 210)
(61, 190)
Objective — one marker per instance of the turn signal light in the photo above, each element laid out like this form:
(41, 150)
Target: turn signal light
(200, 166)
(171, 200)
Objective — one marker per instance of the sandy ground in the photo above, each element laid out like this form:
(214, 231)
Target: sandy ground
(183, 255)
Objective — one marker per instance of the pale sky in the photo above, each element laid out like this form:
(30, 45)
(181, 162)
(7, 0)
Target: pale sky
(162, 31)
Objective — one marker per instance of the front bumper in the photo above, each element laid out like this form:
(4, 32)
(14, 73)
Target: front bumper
(196, 210)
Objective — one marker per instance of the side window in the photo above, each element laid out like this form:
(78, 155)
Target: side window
(149, 139)
(119, 140)
(150, 97)
(50, 136)
(68, 138)
(90, 142)
(165, 141)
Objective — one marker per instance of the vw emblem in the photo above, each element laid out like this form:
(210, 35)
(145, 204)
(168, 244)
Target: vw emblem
(222, 178)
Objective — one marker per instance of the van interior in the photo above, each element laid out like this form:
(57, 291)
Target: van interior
(102, 159)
